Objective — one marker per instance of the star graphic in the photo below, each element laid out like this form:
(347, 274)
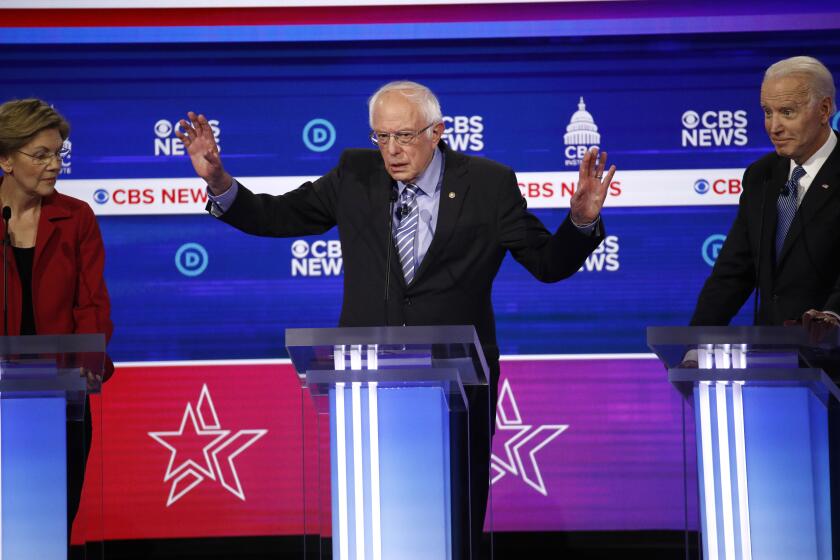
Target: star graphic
(195, 448)
(188, 438)
(525, 438)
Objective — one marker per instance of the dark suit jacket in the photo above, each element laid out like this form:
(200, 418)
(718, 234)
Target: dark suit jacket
(482, 215)
(808, 272)
(68, 286)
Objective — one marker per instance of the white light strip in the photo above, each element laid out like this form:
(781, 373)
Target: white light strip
(341, 465)
(199, 363)
(339, 361)
(372, 357)
(355, 357)
(358, 467)
(287, 361)
(725, 473)
(722, 356)
(708, 471)
(705, 356)
(375, 514)
(739, 356)
(741, 466)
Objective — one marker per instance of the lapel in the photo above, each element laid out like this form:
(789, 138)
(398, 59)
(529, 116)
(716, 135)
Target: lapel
(815, 199)
(51, 210)
(453, 191)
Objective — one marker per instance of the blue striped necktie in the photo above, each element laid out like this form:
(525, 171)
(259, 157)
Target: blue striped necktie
(407, 231)
(786, 206)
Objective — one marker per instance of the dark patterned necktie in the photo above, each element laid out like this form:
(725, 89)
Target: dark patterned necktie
(407, 231)
(786, 206)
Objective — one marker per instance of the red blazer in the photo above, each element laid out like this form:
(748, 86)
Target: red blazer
(68, 285)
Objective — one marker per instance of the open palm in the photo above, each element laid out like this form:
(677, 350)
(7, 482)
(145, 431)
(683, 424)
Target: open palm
(592, 187)
(201, 146)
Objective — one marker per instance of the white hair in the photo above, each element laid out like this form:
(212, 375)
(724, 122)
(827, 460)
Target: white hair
(418, 94)
(819, 78)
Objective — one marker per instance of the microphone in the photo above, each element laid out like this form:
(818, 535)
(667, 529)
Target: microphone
(783, 191)
(390, 244)
(7, 215)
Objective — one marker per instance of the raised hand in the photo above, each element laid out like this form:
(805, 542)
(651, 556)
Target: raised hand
(200, 143)
(592, 188)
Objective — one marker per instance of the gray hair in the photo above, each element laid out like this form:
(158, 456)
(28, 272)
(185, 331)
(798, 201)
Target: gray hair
(418, 94)
(819, 78)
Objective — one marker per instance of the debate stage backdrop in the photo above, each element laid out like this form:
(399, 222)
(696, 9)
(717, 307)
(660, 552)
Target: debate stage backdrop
(202, 422)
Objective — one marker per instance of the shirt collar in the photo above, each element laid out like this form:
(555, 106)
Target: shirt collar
(428, 180)
(816, 161)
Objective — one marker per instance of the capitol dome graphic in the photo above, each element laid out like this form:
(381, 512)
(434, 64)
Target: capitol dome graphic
(582, 129)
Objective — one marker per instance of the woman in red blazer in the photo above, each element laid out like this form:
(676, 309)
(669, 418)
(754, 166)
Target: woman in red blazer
(56, 260)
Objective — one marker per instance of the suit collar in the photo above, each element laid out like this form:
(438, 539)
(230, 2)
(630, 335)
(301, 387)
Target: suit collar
(52, 209)
(815, 163)
(824, 187)
(829, 171)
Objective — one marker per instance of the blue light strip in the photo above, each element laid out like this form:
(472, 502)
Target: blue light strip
(414, 31)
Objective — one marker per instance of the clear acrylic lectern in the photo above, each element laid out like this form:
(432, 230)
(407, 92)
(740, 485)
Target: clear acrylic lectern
(765, 412)
(397, 483)
(44, 383)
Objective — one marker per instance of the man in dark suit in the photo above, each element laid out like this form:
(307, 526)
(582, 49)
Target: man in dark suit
(457, 217)
(786, 236)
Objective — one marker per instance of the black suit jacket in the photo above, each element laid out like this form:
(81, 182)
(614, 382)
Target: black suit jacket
(808, 272)
(482, 216)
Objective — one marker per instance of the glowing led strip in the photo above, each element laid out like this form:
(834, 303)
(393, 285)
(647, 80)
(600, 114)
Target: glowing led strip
(356, 363)
(358, 471)
(725, 473)
(708, 470)
(741, 472)
(358, 467)
(375, 514)
(341, 464)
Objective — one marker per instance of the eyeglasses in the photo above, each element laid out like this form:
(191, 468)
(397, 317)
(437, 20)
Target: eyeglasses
(44, 158)
(403, 137)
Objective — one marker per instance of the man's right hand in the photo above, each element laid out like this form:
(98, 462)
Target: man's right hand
(200, 143)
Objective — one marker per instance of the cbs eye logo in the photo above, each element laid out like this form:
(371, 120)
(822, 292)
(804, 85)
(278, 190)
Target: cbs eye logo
(691, 119)
(163, 128)
(101, 196)
(300, 249)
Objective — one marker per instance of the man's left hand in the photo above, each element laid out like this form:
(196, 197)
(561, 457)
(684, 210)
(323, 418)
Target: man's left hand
(591, 189)
(819, 324)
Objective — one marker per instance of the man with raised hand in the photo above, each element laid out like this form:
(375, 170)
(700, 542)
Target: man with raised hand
(457, 217)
